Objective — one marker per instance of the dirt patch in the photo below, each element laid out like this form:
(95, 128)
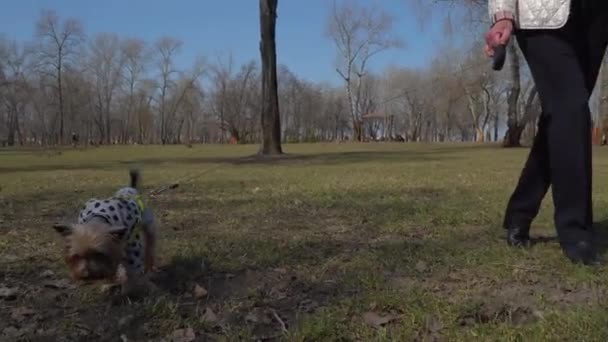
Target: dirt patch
(268, 301)
(499, 312)
(454, 285)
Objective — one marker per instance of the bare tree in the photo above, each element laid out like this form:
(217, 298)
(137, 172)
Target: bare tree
(117, 89)
(166, 49)
(515, 128)
(15, 89)
(482, 91)
(359, 33)
(271, 118)
(59, 43)
(136, 60)
(232, 98)
(106, 64)
(310, 112)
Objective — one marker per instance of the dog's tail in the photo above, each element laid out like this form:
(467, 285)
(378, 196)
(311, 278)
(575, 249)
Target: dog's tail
(135, 176)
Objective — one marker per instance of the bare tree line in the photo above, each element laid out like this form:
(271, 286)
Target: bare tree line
(107, 89)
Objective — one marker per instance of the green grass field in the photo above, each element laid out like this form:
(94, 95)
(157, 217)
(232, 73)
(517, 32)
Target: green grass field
(367, 242)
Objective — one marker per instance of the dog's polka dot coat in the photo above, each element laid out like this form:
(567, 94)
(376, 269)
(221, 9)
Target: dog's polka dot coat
(121, 210)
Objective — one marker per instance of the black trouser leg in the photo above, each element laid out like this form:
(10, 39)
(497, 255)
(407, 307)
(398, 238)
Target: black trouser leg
(533, 184)
(564, 64)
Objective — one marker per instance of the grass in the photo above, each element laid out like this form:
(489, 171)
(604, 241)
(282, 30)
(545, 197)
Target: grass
(336, 242)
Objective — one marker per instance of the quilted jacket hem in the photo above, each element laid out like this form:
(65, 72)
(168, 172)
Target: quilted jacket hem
(533, 14)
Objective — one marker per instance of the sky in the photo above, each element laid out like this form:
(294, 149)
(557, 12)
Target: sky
(215, 28)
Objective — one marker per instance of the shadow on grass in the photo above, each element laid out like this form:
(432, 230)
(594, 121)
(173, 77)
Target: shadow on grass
(293, 288)
(337, 158)
(600, 237)
(269, 257)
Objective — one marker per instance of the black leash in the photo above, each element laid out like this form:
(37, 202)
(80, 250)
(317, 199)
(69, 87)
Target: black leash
(177, 183)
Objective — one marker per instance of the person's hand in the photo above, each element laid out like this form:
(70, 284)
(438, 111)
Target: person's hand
(499, 34)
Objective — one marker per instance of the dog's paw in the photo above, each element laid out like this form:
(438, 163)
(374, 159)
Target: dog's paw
(109, 288)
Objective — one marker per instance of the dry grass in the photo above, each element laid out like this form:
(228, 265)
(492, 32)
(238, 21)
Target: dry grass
(336, 242)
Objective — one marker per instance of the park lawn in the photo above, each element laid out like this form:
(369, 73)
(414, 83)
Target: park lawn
(335, 242)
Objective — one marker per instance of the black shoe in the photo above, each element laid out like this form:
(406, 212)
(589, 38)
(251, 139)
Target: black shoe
(582, 252)
(518, 237)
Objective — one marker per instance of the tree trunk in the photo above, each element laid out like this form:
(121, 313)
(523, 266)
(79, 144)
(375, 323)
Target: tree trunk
(513, 136)
(108, 125)
(61, 107)
(496, 122)
(271, 121)
(514, 127)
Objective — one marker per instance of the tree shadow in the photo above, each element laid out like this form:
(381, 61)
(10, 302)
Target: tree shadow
(330, 158)
(253, 297)
(295, 233)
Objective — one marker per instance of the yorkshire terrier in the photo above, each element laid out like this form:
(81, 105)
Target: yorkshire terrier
(114, 239)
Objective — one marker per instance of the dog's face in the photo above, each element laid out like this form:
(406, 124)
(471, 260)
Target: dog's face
(92, 251)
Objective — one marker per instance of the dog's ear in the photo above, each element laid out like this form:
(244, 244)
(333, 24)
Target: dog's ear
(63, 229)
(118, 232)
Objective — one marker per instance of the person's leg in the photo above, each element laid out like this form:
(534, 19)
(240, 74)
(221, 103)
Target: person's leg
(556, 59)
(531, 188)
(535, 179)
(596, 39)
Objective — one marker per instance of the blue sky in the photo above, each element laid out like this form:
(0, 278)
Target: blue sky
(213, 28)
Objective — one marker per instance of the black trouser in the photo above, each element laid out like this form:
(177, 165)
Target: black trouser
(564, 64)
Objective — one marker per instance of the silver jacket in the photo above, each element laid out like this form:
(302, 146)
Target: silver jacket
(533, 14)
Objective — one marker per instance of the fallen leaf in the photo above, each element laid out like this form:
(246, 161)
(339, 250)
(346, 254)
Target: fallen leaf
(421, 266)
(10, 258)
(47, 274)
(433, 324)
(8, 293)
(11, 331)
(375, 320)
(398, 282)
(125, 320)
(208, 316)
(280, 270)
(539, 314)
(123, 338)
(183, 335)
(20, 313)
(524, 315)
(373, 306)
(109, 288)
(258, 316)
(60, 284)
(199, 291)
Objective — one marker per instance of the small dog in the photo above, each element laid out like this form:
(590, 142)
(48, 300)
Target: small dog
(114, 239)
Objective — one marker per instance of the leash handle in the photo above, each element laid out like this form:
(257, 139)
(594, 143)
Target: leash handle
(500, 55)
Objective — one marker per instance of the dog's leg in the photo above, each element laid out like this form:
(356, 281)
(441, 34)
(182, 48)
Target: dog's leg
(149, 232)
(124, 279)
(136, 284)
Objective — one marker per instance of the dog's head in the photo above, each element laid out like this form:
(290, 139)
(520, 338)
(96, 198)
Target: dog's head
(93, 251)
